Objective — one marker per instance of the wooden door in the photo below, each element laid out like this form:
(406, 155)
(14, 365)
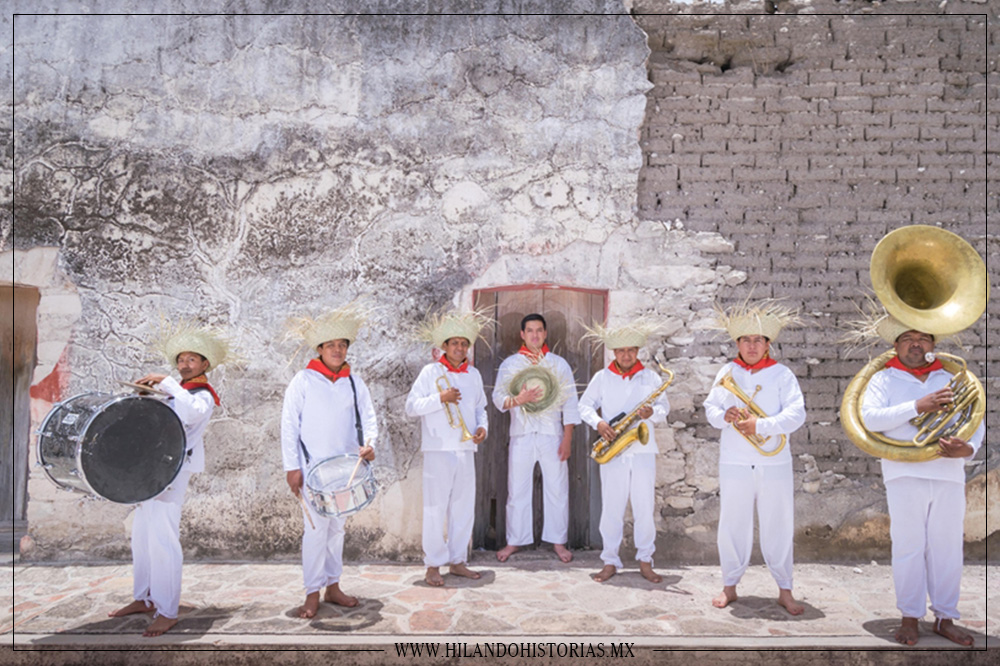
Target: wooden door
(566, 311)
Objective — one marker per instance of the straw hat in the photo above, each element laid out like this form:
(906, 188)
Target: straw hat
(765, 317)
(210, 342)
(442, 326)
(340, 324)
(634, 334)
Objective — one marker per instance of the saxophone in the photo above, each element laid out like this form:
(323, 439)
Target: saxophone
(626, 430)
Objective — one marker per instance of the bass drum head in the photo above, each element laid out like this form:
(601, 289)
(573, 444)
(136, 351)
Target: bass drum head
(132, 449)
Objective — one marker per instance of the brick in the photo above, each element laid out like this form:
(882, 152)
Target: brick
(871, 64)
(820, 77)
(972, 106)
(757, 174)
(921, 146)
(862, 90)
(894, 133)
(867, 174)
(918, 118)
(696, 117)
(842, 103)
(789, 104)
(856, 118)
(948, 133)
(769, 160)
(923, 173)
(928, 62)
(899, 103)
(737, 146)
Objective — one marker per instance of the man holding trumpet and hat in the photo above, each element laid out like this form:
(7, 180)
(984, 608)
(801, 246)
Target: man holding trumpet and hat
(449, 399)
(756, 402)
(327, 411)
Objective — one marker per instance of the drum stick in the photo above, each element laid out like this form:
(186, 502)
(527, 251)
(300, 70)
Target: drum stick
(351, 480)
(302, 500)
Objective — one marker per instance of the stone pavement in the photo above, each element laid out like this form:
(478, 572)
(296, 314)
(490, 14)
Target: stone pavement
(531, 598)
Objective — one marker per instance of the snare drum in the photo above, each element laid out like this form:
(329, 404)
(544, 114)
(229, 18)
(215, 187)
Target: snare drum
(327, 489)
(125, 448)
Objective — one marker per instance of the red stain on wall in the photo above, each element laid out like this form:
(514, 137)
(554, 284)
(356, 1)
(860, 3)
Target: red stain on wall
(52, 385)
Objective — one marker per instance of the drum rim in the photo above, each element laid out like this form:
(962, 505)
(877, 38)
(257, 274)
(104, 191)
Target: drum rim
(113, 398)
(367, 466)
(369, 475)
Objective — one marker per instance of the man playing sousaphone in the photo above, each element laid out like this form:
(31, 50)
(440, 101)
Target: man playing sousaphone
(927, 498)
(621, 388)
(328, 411)
(449, 399)
(756, 403)
(157, 557)
(543, 411)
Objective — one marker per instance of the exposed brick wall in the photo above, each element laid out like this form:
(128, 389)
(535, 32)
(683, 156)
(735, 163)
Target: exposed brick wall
(804, 139)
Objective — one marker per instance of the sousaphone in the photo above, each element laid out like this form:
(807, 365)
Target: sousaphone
(933, 281)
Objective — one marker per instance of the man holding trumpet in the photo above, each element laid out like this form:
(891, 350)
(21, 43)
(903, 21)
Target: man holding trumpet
(449, 399)
(756, 402)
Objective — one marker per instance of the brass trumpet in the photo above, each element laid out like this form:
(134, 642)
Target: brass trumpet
(455, 419)
(626, 431)
(727, 382)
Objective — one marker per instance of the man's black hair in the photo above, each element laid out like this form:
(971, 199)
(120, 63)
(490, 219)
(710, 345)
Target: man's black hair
(533, 317)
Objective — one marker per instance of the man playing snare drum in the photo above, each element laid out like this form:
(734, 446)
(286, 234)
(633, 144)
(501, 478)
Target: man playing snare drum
(157, 557)
(327, 412)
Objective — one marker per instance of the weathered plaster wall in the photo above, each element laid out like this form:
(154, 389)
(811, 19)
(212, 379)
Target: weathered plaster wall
(252, 168)
(247, 169)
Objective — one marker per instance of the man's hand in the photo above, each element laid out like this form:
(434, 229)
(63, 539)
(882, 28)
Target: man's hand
(366, 452)
(152, 379)
(533, 394)
(732, 415)
(566, 445)
(450, 395)
(933, 402)
(605, 430)
(953, 447)
(294, 479)
(645, 412)
(479, 436)
(748, 424)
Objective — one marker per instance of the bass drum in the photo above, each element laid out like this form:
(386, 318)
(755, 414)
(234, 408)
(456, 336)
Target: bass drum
(126, 449)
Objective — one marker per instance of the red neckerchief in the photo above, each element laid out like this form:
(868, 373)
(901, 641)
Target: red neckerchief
(462, 368)
(625, 375)
(765, 362)
(200, 382)
(894, 362)
(532, 356)
(321, 368)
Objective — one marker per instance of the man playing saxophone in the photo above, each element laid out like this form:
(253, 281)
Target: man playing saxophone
(756, 402)
(617, 391)
(449, 399)
(926, 499)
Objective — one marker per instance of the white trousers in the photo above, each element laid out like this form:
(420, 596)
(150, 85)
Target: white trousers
(525, 451)
(322, 550)
(157, 557)
(449, 506)
(771, 487)
(626, 478)
(927, 519)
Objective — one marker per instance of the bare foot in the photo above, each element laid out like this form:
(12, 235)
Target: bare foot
(607, 572)
(908, 632)
(335, 596)
(646, 569)
(506, 552)
(786, 599)
(134, 607)
(727, 597)
(461, 570)
(309, 608)
(433, 577)
(954, 634)
(564, 555)
(160, 626)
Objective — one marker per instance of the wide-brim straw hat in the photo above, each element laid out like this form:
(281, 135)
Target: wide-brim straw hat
(633, 334)
(441, 327)
(210, 342)
(765, 317)
(340, 324)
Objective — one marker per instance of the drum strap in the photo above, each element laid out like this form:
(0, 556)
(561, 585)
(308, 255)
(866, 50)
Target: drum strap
(357, 423)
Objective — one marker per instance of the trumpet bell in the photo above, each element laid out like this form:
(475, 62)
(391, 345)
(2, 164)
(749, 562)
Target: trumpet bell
(929, 279)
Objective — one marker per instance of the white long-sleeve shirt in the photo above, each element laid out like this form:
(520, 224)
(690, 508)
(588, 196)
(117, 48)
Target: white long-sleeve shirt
(424, 401)
(550, 422)
(890, 401)
(779, 397)
(613, 394)
(194, 409)
(321, 413)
